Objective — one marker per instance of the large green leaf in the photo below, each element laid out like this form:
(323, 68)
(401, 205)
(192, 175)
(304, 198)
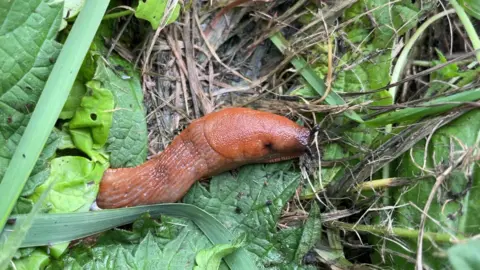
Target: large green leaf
(250, 202)
(27, 52)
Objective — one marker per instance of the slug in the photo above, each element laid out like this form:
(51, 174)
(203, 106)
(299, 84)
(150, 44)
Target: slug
(215, 143)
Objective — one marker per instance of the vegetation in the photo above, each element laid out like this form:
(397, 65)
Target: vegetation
(391, 89)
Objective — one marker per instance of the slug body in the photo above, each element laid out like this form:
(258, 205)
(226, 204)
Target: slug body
(215, 143)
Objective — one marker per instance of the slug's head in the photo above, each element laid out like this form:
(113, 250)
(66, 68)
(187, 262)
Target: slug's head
(246, 135)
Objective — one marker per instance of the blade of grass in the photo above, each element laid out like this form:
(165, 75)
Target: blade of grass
(49, 105)
(402, 62)
(18, 231)
(469, 28)
(436, 106)
(49, 229)
(311, 77)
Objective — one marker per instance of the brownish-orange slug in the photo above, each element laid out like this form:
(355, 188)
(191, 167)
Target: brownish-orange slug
(217, 142)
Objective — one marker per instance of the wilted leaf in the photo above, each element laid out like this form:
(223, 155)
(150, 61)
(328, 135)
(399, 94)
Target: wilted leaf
(74, 100)
(75, 187)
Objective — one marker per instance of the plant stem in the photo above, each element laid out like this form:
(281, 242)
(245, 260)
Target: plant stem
(398, 232)
(387, 182)
(472, 34)
(117, 14)
(402, 62)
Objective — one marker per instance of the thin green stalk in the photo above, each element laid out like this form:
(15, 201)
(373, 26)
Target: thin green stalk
(467, 24)
(403, 58)
(402, 62)
(118, 14)
(398, 232)
(50, 104)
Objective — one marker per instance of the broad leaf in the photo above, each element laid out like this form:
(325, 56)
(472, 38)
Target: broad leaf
(250, 202)
(27, 52)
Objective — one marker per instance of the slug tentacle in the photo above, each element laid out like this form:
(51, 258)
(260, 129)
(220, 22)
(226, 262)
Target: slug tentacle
(215, 143)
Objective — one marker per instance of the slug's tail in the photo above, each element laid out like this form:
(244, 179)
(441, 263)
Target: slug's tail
(128, 187)
(118, 188)
(159, 180)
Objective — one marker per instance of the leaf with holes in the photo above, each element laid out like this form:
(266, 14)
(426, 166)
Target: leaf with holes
(127, 140)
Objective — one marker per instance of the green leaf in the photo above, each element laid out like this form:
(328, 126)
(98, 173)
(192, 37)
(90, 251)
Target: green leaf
(210, 258)
(312, 232)
(147, 254)
(82, 139)
(27, 50)
(153, 11)
(71, 8)
(397, 21)
(455, 205)
(23, 206)
(465, 256)
(127, 141)
(76, 180)
(90, 126)
(38, 259)
(41, 169)
(95, 113)
(371, 74)
(447, 72)
(55, 91)
(250, 202)
(73, 101)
